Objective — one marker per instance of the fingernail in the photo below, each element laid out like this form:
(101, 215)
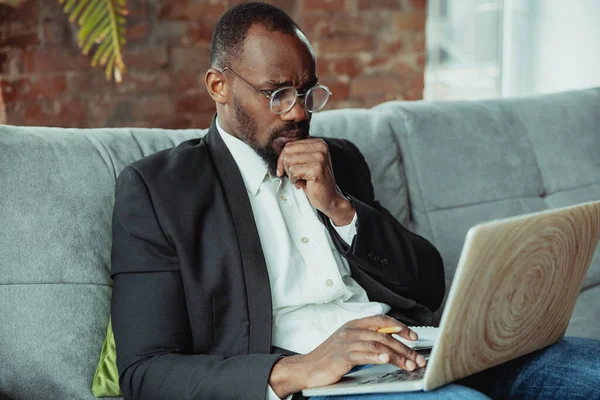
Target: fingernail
(410, 364)
(421, 361)
(384, 358)
(413, 336)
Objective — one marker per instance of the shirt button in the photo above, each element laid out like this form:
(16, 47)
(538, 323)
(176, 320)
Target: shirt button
(283, 198)
(304, 240)
(329, 282)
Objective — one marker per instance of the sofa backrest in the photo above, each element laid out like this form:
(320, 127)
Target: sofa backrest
(439, 167)
(442, 167)
(56, 199)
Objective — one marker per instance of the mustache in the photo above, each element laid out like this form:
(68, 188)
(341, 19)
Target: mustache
(300, 130)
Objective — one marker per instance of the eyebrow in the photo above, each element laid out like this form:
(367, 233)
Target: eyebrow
(277, 84)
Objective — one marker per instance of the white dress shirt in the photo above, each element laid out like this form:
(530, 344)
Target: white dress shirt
(312, 291)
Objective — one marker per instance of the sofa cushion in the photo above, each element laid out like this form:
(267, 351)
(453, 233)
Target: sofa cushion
(469, 162)
(56, 199)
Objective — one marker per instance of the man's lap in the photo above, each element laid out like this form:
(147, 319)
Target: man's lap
(567, 369)
(448, 392)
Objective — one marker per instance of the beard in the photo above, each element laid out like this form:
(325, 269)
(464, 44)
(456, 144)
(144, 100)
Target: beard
(248, 132)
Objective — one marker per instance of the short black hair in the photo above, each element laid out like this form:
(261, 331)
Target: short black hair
(232, 28)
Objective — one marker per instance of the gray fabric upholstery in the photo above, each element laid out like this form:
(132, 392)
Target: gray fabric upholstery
(439, 167)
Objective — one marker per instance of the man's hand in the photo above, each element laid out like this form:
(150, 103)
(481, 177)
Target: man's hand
(308, 165)
(355, 343)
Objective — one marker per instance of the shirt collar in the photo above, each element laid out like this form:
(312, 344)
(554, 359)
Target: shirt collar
(251, 166)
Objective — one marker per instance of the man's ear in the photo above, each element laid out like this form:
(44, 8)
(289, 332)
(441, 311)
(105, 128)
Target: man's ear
(216, 86)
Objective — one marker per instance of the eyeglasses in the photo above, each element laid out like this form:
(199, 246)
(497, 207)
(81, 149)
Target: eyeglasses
(283, 99)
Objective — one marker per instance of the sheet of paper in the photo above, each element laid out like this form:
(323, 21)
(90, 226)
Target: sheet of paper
(427, 337)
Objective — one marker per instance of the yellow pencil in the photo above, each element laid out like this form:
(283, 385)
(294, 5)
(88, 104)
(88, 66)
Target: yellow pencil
(390, 329)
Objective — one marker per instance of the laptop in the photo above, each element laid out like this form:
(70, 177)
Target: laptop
(514, 291)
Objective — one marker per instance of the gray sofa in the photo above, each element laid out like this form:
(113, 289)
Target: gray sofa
(439, 167)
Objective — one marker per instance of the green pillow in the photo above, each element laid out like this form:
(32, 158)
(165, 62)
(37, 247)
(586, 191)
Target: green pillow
(106, 378)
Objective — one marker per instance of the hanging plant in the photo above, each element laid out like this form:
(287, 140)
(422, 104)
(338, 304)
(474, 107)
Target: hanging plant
(101, 29)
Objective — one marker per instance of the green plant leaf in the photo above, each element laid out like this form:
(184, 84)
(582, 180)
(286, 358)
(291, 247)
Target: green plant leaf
(102, 28)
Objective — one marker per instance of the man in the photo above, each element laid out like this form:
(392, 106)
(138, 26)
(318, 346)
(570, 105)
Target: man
(255, 262)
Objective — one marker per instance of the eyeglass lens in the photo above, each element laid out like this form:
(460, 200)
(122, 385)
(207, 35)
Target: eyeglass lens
(283, 100)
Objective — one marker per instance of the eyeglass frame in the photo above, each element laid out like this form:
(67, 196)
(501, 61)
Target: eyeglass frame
(270, 94)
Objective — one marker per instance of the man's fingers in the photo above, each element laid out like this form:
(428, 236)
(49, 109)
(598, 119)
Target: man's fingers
(366, 357)
(305, 172)
(382, 353)
(376, 322)
(401, 354)
(301, 151)
(407, 333)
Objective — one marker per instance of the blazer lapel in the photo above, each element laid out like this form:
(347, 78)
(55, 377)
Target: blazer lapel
(258, 291)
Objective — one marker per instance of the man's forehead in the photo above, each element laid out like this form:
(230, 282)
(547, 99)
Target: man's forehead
(277, 55)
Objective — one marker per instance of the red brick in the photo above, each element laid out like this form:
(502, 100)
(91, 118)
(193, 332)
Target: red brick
(289, 6)
(334, 24)
(190, 10)
(152, 106)
(410, 21)
(47, 86)
(138, 10)
(9, 90)
(365, 86)
(324, 67)
(378, 62)
(146, 58)
(89, 81)
(138, 31)
(55, 33)
(40, 113)
(145, 82)
(169, 32)
(15, 35)
(379, 4)
(54, 59)
(11, 61)
(202, 120)
(403, 67)
(172, 122)
(339, 90)
(194, 103)
(104, 109)
(72, 113)
(186, 80)
(345, 44)
(195, 58)
(418, 43)
(32, 88)
(415, 92)
(394, 47)
(327, 5)
(199, 31)
(347, 66)
(27, 13)
(421, 60)
(420, 4)
(2, 108)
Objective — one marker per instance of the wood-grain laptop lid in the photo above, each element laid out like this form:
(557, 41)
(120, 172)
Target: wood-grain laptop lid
(514, 290)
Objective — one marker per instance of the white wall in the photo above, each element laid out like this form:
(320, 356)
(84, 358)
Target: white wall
(564, 46)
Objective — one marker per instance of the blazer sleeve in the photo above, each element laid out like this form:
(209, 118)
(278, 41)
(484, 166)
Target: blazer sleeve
(402, 262)
(150, 320)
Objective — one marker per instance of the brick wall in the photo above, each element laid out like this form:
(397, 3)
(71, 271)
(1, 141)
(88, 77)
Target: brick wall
(369, 51)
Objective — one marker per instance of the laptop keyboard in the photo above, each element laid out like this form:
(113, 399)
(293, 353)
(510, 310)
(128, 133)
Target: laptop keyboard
(397, 376)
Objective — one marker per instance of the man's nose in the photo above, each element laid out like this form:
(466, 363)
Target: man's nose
(297, 113)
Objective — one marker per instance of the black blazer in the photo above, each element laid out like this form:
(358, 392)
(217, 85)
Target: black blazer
(191, 303)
